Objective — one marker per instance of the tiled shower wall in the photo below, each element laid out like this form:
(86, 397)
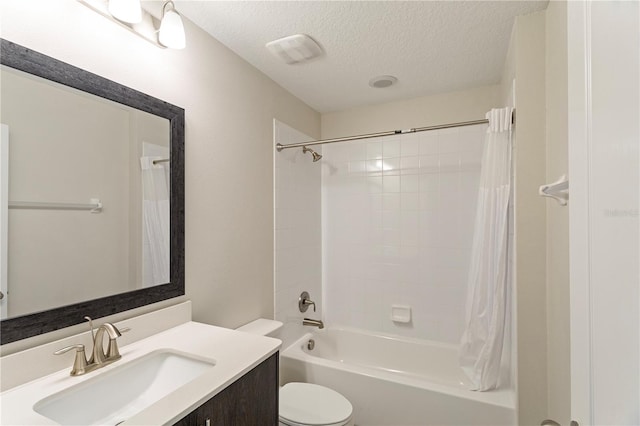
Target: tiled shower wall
(298, 254)
(397, 227)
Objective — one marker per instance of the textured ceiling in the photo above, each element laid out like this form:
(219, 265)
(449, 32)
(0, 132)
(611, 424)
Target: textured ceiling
(430, 46)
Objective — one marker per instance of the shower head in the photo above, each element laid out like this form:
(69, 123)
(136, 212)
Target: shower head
(315, 155)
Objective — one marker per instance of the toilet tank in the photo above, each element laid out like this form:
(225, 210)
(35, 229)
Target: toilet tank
(263, 327)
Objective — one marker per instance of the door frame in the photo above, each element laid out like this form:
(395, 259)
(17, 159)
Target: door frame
(580, 143)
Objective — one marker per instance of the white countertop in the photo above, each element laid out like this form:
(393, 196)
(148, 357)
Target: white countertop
(234, 352)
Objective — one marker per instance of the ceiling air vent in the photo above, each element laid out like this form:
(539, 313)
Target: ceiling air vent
(295, 49)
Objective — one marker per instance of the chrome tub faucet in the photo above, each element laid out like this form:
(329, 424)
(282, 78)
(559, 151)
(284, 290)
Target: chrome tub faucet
(313, 323)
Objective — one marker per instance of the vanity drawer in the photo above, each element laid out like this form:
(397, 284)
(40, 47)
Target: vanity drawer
(251, 400)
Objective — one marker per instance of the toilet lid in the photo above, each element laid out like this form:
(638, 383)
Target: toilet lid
(311, 404)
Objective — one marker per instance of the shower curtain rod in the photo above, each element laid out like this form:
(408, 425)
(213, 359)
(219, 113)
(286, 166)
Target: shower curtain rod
(280, 146)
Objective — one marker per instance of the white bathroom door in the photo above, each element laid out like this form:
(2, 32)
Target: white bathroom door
(604, 158)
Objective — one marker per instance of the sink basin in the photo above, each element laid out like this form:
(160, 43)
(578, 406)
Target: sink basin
(114, 396)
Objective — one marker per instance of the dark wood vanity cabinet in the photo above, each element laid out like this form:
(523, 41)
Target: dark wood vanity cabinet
(252, 400)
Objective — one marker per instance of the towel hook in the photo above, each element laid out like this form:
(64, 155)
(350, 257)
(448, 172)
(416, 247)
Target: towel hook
(558, 190)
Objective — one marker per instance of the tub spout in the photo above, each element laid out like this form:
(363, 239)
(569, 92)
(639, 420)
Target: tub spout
(313, 323)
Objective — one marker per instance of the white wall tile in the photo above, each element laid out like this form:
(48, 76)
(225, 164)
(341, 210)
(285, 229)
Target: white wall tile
(409, 145)
(410, 183)
(409, 200)
(409, 165)
(357, 151)
(448, 140)
(429, 182)
(357, 167)
(391, 201)
(391, 147)
(405, 235)
(429, 163)
(374, 184)
(449, 163)
(428, 143)
(391, 184)
(374, 150)
(391, 166)
(374, 167)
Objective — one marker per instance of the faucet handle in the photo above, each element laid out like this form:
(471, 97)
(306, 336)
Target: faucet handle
(79, 363)
(304, 301)
(66, 349)
(112, 348)
(309, 302)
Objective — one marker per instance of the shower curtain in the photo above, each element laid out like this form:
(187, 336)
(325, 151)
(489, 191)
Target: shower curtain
(482, 340)
(155, 216)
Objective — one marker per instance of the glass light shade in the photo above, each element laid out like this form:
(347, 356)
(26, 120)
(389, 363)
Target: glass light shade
(126, 10)
(172, 31)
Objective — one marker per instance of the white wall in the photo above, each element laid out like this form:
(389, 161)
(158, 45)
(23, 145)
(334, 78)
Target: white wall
(465, 105)
(298, 234)
(526, 63)
(398, 220)
(542, 226)
(229, 169)
(558, 338)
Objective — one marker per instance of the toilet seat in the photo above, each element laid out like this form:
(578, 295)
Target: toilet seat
(313, 405)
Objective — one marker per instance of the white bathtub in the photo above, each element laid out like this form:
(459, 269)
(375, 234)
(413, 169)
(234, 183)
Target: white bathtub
(394, 381)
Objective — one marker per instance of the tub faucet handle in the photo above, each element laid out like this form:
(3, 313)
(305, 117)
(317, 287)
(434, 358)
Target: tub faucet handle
(304, 301)
(309, 302)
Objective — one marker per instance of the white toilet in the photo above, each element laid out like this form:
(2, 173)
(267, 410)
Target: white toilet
(305, 404)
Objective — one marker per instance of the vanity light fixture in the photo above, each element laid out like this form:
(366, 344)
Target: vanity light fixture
(171, 28)
(129, 11)
(168, 31)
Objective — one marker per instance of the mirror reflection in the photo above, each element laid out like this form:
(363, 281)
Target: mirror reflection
(88, 195)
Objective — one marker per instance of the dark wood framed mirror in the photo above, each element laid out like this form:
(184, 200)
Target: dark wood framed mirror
(25, 60)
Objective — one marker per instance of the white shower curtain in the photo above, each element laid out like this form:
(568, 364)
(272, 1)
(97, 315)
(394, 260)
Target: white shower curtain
(155, 213)
(482, 341)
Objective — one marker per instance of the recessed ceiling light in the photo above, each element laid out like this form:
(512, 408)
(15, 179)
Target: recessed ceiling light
(382, 81)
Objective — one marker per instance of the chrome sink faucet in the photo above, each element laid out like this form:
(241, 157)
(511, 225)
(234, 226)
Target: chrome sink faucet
(99, 358)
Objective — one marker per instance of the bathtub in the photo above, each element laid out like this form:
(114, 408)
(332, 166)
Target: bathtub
(394, 381)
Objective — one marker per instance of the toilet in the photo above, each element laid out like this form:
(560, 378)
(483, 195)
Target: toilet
(305, 404)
